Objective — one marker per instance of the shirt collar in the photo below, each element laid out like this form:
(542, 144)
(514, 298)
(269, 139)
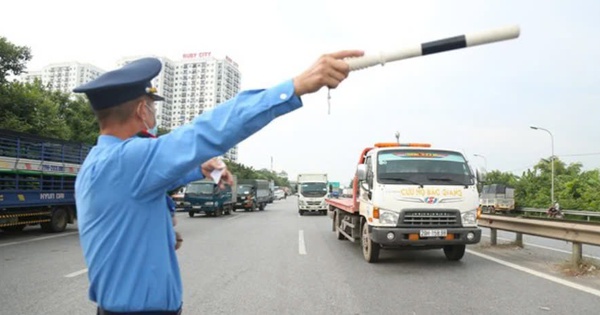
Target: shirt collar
(108, 139)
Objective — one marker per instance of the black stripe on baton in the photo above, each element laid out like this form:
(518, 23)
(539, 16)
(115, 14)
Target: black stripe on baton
(445, 44)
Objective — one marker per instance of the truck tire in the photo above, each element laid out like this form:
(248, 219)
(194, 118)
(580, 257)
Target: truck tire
(370, 249)
(191, 214)
(58, 221)
(454, 252)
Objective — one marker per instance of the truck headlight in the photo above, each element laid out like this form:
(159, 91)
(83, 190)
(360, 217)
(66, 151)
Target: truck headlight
(388, 217)
(469, 218)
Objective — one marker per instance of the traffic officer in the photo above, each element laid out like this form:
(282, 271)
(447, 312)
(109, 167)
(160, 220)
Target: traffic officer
(125, 229)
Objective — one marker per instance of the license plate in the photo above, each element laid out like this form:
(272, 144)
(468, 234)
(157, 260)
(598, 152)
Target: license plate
(433, 233)
(196, 207)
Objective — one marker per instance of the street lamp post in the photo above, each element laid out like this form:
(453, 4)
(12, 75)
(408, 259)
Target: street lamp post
(552, 158)
(484, 159)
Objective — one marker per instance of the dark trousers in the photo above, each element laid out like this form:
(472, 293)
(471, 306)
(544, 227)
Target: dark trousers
(105, 312)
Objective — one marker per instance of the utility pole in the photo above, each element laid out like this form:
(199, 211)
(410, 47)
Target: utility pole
(552, 159)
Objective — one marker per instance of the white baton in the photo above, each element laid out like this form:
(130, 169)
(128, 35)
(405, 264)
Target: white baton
(437, 46)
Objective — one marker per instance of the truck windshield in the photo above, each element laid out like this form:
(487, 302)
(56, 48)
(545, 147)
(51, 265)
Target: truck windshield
(423, 167)
(200, 188)
(244, 189)
(313, 189)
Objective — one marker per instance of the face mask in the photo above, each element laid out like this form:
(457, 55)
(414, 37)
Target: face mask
(154, 130)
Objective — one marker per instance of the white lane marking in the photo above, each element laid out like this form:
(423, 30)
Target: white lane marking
(38, 239)
(543, 247)
(538, 274)
(301, 244)
(76, 273)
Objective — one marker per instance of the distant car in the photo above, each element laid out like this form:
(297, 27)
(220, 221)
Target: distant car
(280, 194)
(178, 199)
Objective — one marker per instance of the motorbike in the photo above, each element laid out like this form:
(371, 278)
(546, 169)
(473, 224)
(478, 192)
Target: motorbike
(554, 213)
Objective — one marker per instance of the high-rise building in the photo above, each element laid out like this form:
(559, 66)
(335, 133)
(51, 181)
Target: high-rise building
(201, 82)
(64, 76)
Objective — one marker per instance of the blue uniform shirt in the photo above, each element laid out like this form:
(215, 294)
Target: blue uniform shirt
(171, 204)
(125, 228)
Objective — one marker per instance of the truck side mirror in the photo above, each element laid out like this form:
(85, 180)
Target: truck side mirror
(481, 175)
(361, 171)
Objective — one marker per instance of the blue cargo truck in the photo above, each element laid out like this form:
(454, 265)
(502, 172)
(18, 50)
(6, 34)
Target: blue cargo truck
(37, 181)
(206, 196)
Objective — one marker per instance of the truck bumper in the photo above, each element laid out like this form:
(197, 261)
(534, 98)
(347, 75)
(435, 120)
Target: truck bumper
(198, 209)
(411, 236)
(312, 208)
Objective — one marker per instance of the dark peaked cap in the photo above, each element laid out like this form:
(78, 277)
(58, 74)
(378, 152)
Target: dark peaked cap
(124, 84)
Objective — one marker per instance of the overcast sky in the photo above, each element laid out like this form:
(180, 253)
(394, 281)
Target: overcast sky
(479, 100)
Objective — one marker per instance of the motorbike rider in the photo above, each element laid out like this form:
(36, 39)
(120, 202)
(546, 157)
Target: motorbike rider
(554, 210)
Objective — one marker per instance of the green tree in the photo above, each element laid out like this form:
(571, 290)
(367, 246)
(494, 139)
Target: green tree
(573, 188)
(498, 177)
(27, 108)
(246, 172)
(78, 116)
(13, 59)
(240, 170)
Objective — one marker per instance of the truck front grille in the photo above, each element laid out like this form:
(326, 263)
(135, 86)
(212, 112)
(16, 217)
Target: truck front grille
(430, 217)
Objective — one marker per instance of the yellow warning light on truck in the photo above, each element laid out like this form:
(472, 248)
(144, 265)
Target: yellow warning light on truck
(394, 144)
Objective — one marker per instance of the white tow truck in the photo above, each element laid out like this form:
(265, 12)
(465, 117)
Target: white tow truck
(410, 196)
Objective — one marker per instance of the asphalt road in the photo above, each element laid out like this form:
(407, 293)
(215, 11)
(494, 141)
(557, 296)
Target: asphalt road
(277, 262)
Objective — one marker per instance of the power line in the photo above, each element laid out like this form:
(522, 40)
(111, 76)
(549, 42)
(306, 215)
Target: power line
(581, 154)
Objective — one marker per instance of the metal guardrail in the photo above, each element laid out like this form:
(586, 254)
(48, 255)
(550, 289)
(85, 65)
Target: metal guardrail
(577, 233)
(586, 214)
